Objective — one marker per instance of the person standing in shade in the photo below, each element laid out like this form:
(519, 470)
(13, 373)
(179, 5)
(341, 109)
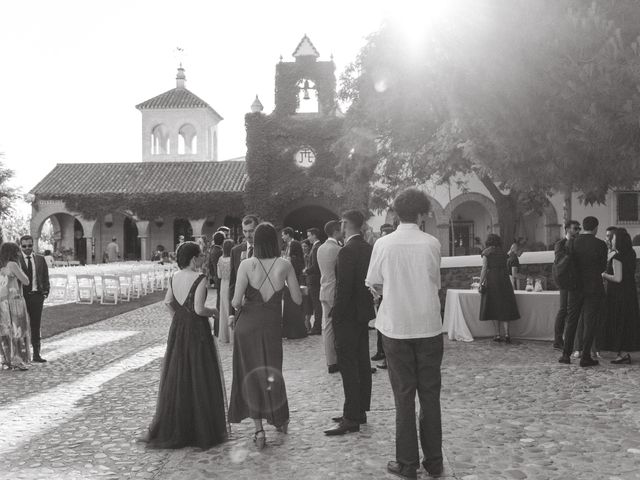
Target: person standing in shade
(327, 260)
(571, 230)
(405, 270)
(352, 311)
(240, 253)
(35, 292)
(498, 302)
(113, 251)
(313, 280)
(385, 229)
(211, 263)
(590, 257)
(293, 315)
(513, 261)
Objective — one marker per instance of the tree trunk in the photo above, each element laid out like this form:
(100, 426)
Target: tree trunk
(507, 206)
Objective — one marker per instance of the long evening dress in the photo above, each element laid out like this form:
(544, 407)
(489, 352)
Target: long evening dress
(293, 314)
(258, 390)
(191, 401)
(498, 302)
(621, 329)
(15, 333)
(224, 273)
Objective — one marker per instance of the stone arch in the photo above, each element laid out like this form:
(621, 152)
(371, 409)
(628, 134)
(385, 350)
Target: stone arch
(160, 140)
(486, 202)
(187, 140)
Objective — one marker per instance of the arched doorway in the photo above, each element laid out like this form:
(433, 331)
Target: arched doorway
(132, 249)
(79, 242)
(306, 217)
(181, 226)
(471, 225)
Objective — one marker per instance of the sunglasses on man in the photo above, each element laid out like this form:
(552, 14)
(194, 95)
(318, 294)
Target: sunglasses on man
(29, 245)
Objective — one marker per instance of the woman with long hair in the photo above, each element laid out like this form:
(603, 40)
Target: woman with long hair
(191, 401)
(15, 334)
(258, 389)
(224, 273)
(498, 301)
(621, 332)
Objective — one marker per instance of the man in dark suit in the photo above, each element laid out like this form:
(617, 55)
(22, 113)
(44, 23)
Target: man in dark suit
(313, 281)
(352, 311)
(571, 230)
(590, 260)
(35, 267)
(214, 254)
(240, 252)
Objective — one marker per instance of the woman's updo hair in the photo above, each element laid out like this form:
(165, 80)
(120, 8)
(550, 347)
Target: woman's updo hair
(493, 240)
(186, 252)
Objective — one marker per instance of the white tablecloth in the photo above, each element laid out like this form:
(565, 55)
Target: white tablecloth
(537, 315)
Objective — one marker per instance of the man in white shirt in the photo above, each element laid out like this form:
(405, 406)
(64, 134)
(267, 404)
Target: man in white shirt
(327, 259)
(405, 270)
(113, 251)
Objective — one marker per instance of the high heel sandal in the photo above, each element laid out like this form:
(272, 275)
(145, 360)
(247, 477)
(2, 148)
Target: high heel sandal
(284, 427)
(621, 360)
(260, 440)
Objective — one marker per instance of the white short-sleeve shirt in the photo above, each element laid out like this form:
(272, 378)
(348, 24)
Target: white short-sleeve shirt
(407, 265)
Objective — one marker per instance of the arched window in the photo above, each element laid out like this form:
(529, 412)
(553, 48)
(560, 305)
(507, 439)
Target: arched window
(307, 97)
(187, 140)
(159, 140)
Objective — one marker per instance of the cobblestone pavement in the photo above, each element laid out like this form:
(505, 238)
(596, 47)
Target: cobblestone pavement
(509, 412)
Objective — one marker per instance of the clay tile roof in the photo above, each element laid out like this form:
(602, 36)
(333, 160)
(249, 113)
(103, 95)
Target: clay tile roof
(176, 98)
(142, 177)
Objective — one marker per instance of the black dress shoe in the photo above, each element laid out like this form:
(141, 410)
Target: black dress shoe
(378, 356)
(433, 469)
(621, 360)
(39, 359)
(361, 420)
(345, 426)
(588, 362)
(402, 471)
(565, 359)
(333, 368)
(373, 369)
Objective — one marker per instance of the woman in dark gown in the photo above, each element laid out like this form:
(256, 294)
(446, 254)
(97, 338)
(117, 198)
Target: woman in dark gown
(258, 388)
(621, 331)
(498, 301)
(191, 401)
(293, 321)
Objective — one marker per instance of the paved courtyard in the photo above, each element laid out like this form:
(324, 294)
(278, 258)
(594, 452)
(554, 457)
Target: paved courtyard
(509, 412)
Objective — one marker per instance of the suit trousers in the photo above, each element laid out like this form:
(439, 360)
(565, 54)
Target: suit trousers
(414, 365)
(352, 348)
(314, 296)
(589, 305)
(561, 317)
(328, 336)
(35, 302)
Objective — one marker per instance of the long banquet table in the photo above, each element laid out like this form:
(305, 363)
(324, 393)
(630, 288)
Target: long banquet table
(537, 315)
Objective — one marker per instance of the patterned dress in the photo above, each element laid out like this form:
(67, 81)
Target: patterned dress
(224, 273)
(15, 335)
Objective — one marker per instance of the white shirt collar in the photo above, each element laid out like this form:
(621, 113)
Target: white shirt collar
(25, 256)
(331, 239)
(408, 226)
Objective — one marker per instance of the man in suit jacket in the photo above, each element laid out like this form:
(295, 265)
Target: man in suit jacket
(327, 259)
(352, 311)
(214, 254)
(590, 257)
(35, 267)
(313, 281)
(571, 230)
(240, 252)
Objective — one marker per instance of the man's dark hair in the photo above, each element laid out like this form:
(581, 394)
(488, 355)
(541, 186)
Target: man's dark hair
(265, 241)
(411, 203)
(218, 238)
(385, 226)
(26, 237)
(250, 218)
(387, 229)
(227, 246)
(331, 227)
(612, 229)
(288, 231)
(314, 231)
(569, 223)
(590, 223)
(223, 228)
(186, 252)
(493, 240)
(355, 217)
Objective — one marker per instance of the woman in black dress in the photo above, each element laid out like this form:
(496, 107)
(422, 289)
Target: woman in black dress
(293, 315)
(621, 332)
(498, 300)
(191, 400)
(258, 389)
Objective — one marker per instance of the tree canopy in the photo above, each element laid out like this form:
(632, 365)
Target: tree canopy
(532, 97)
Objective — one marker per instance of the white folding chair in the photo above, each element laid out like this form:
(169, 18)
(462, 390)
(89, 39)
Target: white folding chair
(126, 285)
(85, 289)
(110, 289)
(58, 286)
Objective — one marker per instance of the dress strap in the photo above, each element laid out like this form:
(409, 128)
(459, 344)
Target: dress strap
(267, 272)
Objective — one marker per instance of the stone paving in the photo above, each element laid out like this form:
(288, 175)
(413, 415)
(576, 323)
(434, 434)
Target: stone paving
(509, 412)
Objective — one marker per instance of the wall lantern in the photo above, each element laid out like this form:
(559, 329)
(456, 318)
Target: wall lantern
(108, 220)
(159, 221)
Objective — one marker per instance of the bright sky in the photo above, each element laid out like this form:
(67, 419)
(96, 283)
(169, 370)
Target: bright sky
(73, 70)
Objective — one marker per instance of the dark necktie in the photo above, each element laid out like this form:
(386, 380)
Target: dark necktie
(250, 251)
(30, 270)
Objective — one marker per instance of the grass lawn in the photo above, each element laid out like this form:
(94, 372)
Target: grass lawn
(60, 318)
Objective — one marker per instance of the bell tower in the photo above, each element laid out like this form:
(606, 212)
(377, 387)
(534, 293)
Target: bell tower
(179, 126)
